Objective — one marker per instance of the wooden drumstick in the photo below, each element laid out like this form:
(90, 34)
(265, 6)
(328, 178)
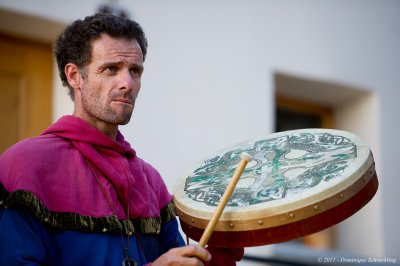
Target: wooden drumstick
(224, 200)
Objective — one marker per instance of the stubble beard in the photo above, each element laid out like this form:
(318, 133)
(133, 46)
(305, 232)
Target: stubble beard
(100, 109)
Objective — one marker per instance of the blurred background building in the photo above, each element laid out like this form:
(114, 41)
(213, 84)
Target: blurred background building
(220, 72)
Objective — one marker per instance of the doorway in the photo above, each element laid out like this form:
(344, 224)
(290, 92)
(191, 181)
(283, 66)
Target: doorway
(25, 88)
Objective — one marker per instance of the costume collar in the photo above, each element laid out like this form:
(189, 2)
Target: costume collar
(76, 129)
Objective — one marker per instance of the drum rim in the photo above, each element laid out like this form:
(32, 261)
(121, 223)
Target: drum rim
(281, 233)
(233, 223)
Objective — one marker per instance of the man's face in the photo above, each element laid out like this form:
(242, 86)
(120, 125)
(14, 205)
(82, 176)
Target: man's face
(111, 81)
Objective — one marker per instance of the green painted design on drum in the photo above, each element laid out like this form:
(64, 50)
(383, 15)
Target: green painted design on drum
(281, 167)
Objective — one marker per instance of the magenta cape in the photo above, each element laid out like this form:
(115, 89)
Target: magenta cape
(54, 167)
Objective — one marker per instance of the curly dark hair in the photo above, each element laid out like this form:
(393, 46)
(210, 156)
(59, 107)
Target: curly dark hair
(74, 44)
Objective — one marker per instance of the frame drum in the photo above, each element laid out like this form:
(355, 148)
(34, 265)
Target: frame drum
(299, 182)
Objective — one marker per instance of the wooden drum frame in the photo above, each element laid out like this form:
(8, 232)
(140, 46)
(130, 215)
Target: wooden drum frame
(301, 182)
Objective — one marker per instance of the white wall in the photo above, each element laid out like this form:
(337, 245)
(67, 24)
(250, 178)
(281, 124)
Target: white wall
(208, 79)
(360, 116)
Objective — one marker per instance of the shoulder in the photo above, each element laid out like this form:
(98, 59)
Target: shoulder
(30, 158)
(37, 146)
(155, 181)
(34, 150)
(149, 169)
(153, 176)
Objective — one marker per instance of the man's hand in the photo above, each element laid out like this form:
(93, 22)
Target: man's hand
(191, 255)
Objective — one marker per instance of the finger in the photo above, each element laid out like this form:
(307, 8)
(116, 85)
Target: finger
(196, 251)
(192, 261)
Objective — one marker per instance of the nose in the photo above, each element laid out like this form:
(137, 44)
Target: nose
(126, 80)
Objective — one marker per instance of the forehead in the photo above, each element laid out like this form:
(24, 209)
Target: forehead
(110, 48)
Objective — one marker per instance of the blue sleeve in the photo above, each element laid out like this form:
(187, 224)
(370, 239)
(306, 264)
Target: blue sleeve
(170, 236)
(153, 246)
(21, 238)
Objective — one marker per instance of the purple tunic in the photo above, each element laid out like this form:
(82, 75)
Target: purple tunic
(55, 203)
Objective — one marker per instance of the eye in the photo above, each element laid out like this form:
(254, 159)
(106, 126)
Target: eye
(111, 69)
(135, 70)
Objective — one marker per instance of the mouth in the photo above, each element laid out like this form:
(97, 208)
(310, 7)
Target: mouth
(123, 100)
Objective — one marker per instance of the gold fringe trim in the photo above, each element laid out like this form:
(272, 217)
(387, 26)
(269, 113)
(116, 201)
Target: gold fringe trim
(74, 221)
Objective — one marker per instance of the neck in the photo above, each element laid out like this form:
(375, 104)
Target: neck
(106, 128)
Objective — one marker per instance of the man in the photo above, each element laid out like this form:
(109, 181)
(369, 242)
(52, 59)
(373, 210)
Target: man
(78, 194)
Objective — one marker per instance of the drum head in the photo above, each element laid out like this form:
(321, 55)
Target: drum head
(299, 182)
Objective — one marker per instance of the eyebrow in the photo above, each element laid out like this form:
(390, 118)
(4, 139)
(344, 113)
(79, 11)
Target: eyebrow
(116, 63)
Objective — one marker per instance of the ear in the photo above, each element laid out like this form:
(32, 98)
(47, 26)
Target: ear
(73, 75)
